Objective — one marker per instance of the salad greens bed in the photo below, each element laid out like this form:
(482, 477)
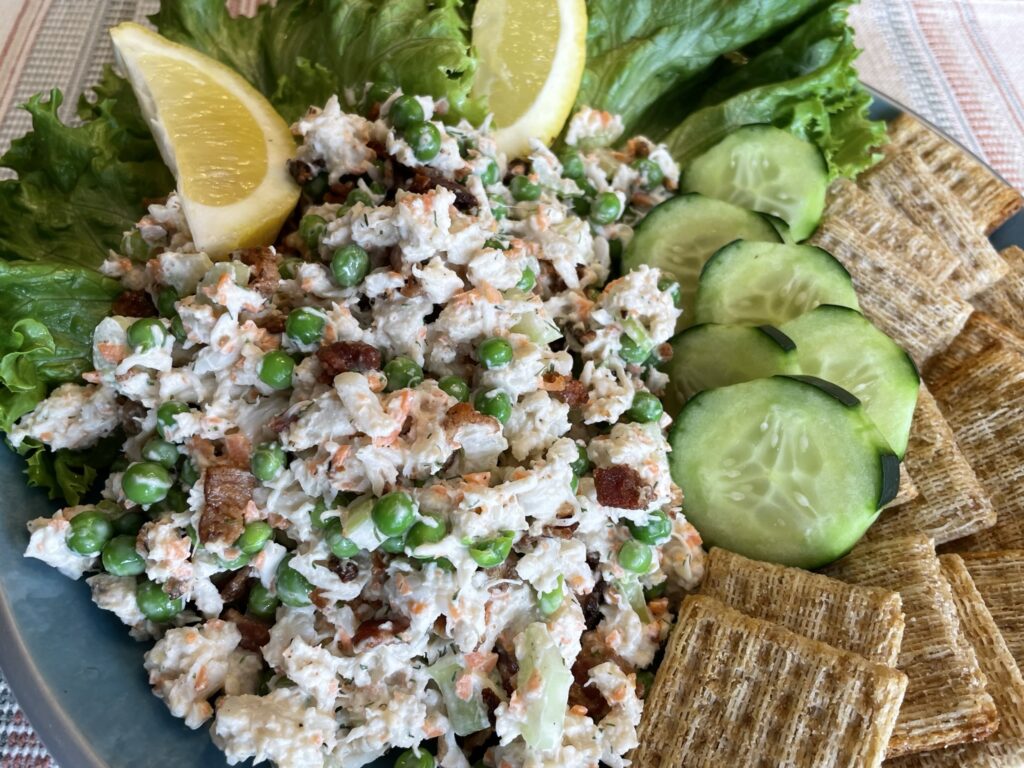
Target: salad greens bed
(686, 72)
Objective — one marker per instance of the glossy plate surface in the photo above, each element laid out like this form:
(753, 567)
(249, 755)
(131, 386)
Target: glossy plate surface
(74, 669)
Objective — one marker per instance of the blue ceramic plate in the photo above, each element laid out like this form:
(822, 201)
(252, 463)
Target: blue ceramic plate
(73, 668)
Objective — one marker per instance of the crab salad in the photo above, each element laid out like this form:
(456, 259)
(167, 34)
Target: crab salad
(399, 481)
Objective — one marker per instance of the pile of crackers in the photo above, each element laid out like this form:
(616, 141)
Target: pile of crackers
(909, 649)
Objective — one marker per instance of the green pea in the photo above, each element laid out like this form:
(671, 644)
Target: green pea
(166, 415)
(527, 280)
(289, 267)
(267, 462)
(339, 545)
(402, 372)
(494, 403)
(494, 352)
(630, 352)
(499, 210)
(146, 482)
(523, 189)
(428, 531)
(425, 140)
(176, 500)
(350, 265)
(404, 111)
(145, 334)
(393, 545)
(292, 587)
(410, 759)
(581, 206)
(490, 174)
(441, 562)
(276, 370)
(658, 590)
(304, 325)
(455, 386)
(644, 679)
(316, 515)
(120, 557)
(572, 165)
(233, 565)
(161, 451)
(312, 229)
(358, 196)
(667, 284)
(188, 474)
(262, 603)
(89, 532)
(606, 208)
(165, 300)
(495, 243)
(254, 537)
(378, 188)
(134, 245)
(394, 513)
(315, 188)
(650, 172)
(378, 93)
(178, 329)
(491, 552)
(155, 604)
(550, 601)
(574, 483)
(635, 556)
(656, 530)
(645, 408)
(582, 462)
(130, 523)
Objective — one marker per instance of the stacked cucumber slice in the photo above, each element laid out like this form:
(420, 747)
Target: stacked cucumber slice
(792, 410)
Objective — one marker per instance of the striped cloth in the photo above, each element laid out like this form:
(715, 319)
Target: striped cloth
(951, 61)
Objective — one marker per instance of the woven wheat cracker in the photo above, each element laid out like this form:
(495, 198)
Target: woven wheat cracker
(983, 400)
(732, 687)
(864, 620)
(951, 502)
(1005, 748)
(921, 317)
(908, 490)
(990, 199)
(946, 702)
(980, 332)
(904, 182)
(999, 577)
(1005, 300)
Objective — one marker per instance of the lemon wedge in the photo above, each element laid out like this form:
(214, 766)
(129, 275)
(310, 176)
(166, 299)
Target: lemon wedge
(531, 55)
(226, 145)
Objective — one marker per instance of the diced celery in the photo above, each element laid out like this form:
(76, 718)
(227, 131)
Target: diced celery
(239, 273)
(630, 589)
(466, 717)
(543, 683)
(359, 528)
(538, 330)
(635, 330)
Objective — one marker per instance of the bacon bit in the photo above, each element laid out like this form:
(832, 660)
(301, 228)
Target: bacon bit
(560, 531)
(111, 352)
(264, 275)
(228, 491)
(570, 391)
(255, 634)
(344, 356)
(319, 599)
(237, 450)
(377, 631)
(463, 414)
(620, 486)
(133, 304)
(272, 322)
(236, 588)
(426, 179)
(346, 570)
(507, 665)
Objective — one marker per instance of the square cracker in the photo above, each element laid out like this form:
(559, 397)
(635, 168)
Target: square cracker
(908, 489)
(1004, 749)
(1005, 300)
(990, 199)
(732, 687)
(983, 400)
(979, 333)
(951, 502)
(864, 620)
(999, 577)
(922, 317)
(946, 702)
(903, 181)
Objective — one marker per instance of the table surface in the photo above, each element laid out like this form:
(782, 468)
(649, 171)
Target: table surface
(954, 62)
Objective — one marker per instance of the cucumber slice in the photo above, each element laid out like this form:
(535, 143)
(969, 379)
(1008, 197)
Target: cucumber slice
(679, 235)
(710, 356)
(785, 469)
(754, 283)
(765, 169)
(840, 345)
